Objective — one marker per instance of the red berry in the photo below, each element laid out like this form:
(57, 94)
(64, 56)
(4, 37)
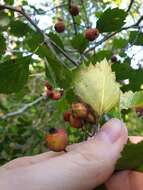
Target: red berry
(67, 115)
(74, 10)
(114, 59)
(79, 110)
(48, 86)
(49, 93)
(57, 139)
(60, 26)
(75, 122)
(56, 95)
(91, 34)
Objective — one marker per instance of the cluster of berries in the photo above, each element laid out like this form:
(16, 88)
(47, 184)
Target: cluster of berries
(79, 115)
(90, 34)
(52, 93)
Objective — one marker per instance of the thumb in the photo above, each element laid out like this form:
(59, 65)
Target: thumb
(85, 166)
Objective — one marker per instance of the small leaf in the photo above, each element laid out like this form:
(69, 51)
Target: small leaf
(111, 20)
(120, 43)
(131, 158)
(56, 38)
(96, 86)
(14, 74)
(18, 28)
(131, 100)
(136, 38)
(79, 43)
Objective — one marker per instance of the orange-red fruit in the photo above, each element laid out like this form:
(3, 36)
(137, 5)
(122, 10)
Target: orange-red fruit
(114, 59)
(91, 34)
(60, 26)
(79, 110)
(49, 93)
(57, 140)
(74, 10)
(48, 86)
(67, 115)
(75, 122)
(56, 95)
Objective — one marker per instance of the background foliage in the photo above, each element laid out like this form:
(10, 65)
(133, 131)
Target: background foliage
(27, 58)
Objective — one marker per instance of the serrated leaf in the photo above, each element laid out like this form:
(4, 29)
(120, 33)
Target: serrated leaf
(14, 74)
(136, 38)
(19, 28)
(120, 43)
(79, 43)
(96, 86)
(131, 157)
(131, 100)
(56, 38)
(111, 20)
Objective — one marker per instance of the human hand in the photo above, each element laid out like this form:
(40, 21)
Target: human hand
(85, 166)
(128, 180)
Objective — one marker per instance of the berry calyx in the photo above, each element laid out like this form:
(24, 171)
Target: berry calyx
(74, 10)
(56, 95)
(75, 122)
(91, 34)
(60, 26)
(113, 59)
(57, 139)
(67, 115)
(79, 110)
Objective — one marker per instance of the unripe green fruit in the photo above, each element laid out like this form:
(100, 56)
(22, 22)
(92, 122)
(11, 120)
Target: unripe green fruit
(57, 140)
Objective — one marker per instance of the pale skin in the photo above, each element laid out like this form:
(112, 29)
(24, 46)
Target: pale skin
(84, 167)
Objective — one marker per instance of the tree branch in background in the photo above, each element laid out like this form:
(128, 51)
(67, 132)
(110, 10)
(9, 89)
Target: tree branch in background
(23, 109)
(136, 25)
(130, 6)
(49, 43)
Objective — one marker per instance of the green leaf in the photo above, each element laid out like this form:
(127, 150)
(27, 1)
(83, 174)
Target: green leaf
(111, 20)
(79, 43)
(99, 56)
(2, 44)
(56, 71)
(14, 74)
(18, 28)
(131, 100)
(96, 86)
(9, 2)
(56, 38)
(136, 38)
(125, 71)
(131, 157)
(120, 43)
(33, 40)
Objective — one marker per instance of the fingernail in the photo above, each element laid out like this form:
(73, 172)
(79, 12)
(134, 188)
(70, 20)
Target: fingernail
(113, 129)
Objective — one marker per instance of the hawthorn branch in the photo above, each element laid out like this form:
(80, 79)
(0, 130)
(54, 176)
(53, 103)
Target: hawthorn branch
(49, 43)
(136, 25)
(23, 109)
(130, 6)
